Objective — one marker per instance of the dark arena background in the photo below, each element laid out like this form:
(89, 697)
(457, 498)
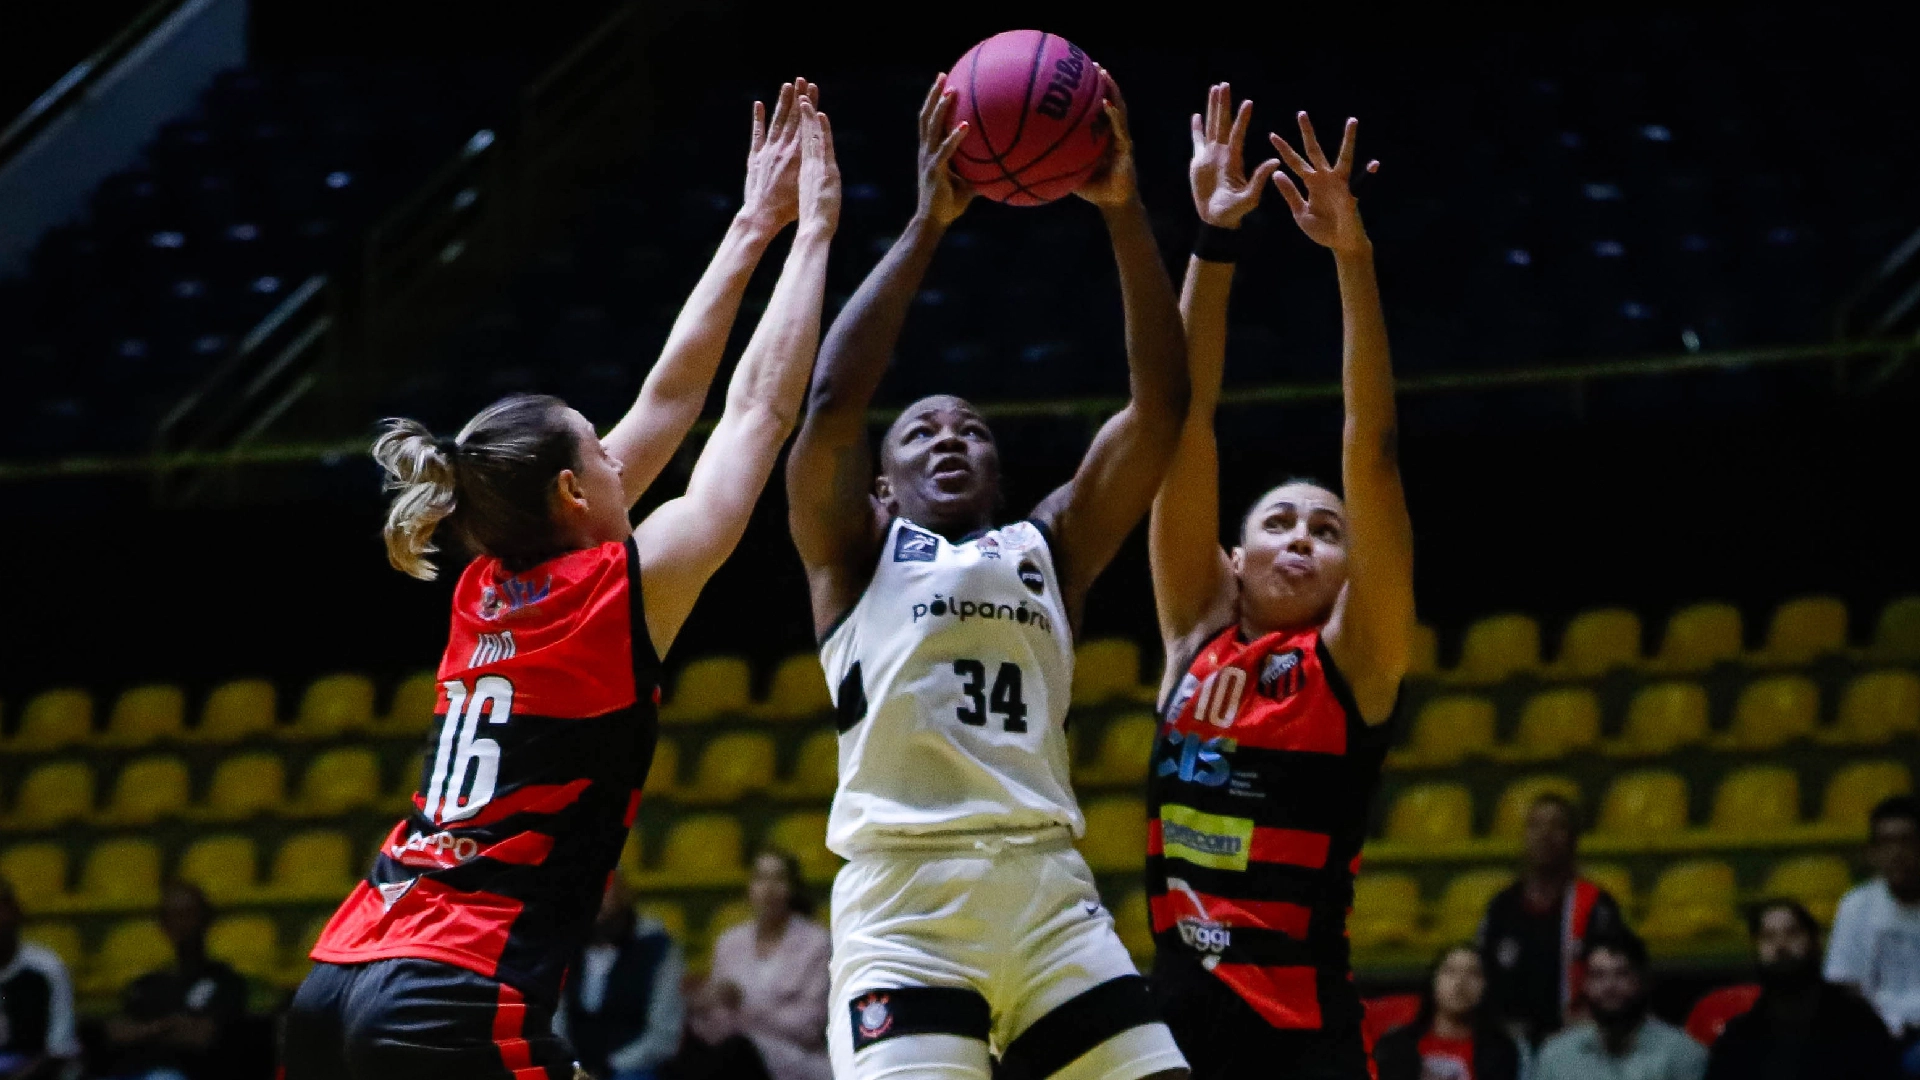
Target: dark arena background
(1652, 278)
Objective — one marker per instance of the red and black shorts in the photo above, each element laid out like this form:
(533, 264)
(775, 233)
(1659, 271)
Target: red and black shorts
(417, 1020)
(1223, 1038)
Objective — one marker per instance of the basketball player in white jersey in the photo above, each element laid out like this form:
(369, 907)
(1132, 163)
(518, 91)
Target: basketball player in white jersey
(965, 926)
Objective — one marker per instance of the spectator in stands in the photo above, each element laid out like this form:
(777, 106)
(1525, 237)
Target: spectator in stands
(1620, 1040)
(173, 1022)
(621, 1008)
(1802, 1027)
(36, 1002)
(1455, 1034)
(764, 1004)
(1875, 947)
(1536, 927)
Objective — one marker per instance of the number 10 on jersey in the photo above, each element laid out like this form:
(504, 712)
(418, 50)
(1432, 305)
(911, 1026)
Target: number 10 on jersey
(1003, 700)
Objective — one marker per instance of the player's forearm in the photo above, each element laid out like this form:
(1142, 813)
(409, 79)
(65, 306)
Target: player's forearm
(774, 370)
(1366, 366)
(1156, 344)
(1203, 315)
(861, 341)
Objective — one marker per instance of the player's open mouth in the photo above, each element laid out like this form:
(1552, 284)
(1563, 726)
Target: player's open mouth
(952, 473)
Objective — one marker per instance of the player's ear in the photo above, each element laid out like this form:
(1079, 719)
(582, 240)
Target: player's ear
(1237, 558)
(882, 490)
(568, 492)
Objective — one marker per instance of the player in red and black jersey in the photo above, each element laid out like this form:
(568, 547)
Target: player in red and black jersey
(1285, 660)
(447, 961)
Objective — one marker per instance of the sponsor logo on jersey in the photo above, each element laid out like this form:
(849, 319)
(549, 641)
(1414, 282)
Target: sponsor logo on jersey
(1282, 675)
(875, 1015)
(434, 851)
(1032, 578)
(1205, 935)
(512, 596)
(1210, 840)
(1182, 693)
(1197, 760)
(942, 606)
(392, 891)
(912, 545)
(989, 546)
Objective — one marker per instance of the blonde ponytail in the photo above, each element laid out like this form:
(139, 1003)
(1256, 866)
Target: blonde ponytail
(422, 473)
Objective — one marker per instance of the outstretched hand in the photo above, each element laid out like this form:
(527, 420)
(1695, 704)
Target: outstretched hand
(773, 158)
(1328, 213)
(943, 195)
(819, 188)
(1112, 183)
(1223, 193)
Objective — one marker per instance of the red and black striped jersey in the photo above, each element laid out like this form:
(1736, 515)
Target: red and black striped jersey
(546, 725)
(1258, 795)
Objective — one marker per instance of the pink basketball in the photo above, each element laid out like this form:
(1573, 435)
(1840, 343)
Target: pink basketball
(1038, 130)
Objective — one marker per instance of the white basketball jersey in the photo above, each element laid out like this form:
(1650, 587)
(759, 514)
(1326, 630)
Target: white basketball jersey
(951, 678)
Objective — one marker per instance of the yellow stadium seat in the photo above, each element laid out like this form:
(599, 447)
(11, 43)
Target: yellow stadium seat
(1699, 637)
(663, 774)
(1662, 718)
(1772, 712)
(1897, 635)
(1423, 653)
(731, 766)
(145, 715)
(1126, 742)
(235, 711)
(671, 916)
(244, 786)
(1516, 802)
(1816, 881)
(816, 769)
(247, 943)
(1616, 880)
(338, 782)
(149, 790)
(226, 868)
(1133, 925)
(62, 937)
(1878, 707)
(1105, 670)
(631, 866)
(53, 795)
(406, 784)
(709, 687)
(54, 719)
(1446, 731)
(1553, 724)
(1596, 642)
(1498, 646)
(129, 950)
(804, 836)
(1854, 790)
(798, 690)
(1386, 911)
(1464, 903)
(1692, 900)
(1804, 629)
(699, 852)
(1756, 804)
(120, 875)
(1116, 837)
(312, 867)
(1431, 816)
(1642, 809)
(410, 715)
(38, 874)
(334, 705)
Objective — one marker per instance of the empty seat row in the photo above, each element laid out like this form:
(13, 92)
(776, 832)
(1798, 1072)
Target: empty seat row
(709, 851)
(1877, 707)
(125, 874)
(330, 707)
(251, 944)
(1696, 638)
(1649, 809)
(159, 787)
(1690, 901)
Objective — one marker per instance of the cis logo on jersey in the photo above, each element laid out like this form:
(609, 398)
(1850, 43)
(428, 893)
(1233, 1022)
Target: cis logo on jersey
(872, 1017)
(912, 545)
(1197, 760)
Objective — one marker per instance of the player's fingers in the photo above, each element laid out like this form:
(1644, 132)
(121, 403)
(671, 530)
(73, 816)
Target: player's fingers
(933, 98)
(782, 123)
(1117, 120)
(759, 127)
(1112, 90)
(1263, 173)
(1294, 161)
(942, 115)
(1237, 135)
(1345, 162)
(1373, 166)
(952, 143)
(1216, 125)
(813, 93)
(1295, 202)
(826, 139)
(1311, 143)
(1199, 133)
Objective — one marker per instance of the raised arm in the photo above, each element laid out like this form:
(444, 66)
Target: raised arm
(1091, 514)
(835, 521)
(1193, 587)
(1372, 623)
(675, 391)
(683, 542)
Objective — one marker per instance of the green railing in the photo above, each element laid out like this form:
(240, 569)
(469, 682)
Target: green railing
(1856, 367)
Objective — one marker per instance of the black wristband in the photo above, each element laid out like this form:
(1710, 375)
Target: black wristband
(1215, 244)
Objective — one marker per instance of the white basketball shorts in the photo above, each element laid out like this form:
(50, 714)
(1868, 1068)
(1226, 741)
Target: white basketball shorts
(945, 959)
